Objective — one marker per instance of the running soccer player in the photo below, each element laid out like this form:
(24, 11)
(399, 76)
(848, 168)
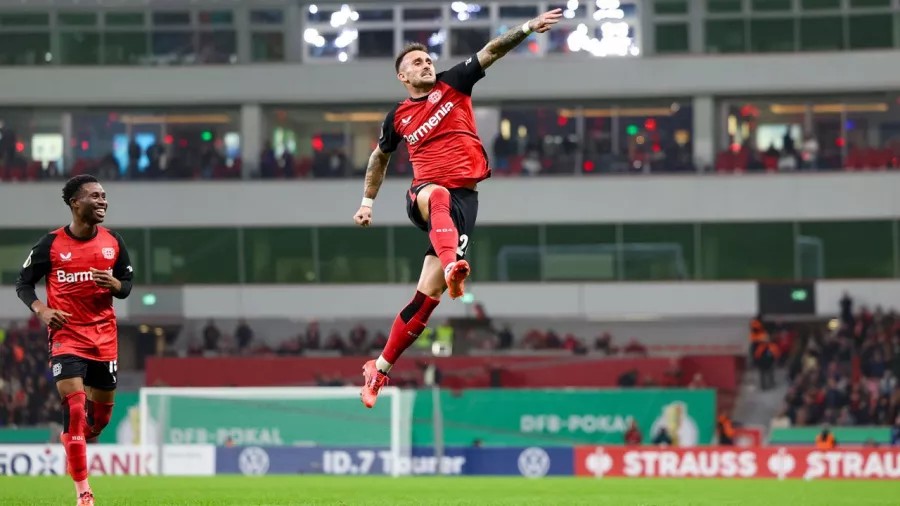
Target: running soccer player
(86, 265)
(448, 159)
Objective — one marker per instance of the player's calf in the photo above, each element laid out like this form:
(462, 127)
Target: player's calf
(98, 417)
(73, 440)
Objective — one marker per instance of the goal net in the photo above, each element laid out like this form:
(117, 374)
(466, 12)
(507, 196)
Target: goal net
(337, 434)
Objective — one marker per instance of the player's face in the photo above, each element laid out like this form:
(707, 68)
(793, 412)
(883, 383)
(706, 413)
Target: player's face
(417, 70)
(90, 204)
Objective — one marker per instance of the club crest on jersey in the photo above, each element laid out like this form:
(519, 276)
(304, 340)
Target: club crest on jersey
(109, 253)
(435, 96)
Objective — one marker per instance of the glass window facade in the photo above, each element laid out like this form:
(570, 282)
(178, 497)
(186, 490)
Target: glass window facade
(775, 26)
(210, 34)
(588, 252)
(809, 133)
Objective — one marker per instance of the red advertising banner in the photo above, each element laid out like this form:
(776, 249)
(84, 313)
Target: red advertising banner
(722, 462)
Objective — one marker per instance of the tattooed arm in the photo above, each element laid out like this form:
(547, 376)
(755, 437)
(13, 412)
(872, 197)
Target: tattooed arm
(497, 48)
(375, 171)
(378, 162)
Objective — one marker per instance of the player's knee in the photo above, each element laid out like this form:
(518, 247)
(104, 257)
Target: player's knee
(439, 196)
(74, 413)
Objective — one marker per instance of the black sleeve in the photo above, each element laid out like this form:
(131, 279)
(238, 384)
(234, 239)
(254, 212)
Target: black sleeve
(122, 269)
(463, 75)
(36, 266)
(389, 139)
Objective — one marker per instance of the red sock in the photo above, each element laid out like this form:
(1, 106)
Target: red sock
(73, 435)
(442, 232)
(408, 325)
(98, 416)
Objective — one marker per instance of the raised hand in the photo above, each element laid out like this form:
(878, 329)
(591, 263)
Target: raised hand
(545, 21)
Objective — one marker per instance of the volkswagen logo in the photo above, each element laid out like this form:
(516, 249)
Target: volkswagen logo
(534, 462)
(253, 461)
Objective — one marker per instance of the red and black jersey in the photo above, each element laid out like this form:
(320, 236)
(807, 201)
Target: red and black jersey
(66, 261)
(439, 130)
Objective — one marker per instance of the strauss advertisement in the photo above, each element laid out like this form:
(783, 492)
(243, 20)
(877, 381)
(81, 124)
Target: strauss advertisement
(718, 462)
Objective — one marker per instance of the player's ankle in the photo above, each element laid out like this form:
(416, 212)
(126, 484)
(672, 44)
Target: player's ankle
(82, 487)
(383, 365)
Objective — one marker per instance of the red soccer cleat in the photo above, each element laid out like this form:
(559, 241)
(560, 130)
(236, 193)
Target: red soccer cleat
(86, 499)
(455, 275)
(374, 380)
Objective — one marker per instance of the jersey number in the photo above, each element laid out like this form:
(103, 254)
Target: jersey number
(28, 260)
(463, 244)
(113, 368)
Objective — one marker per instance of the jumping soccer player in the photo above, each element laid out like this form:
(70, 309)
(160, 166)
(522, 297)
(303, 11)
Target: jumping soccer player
(448, 159)
(86, 265)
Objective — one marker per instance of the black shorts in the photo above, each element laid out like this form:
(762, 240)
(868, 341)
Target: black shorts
(463, 211)
(96, 374)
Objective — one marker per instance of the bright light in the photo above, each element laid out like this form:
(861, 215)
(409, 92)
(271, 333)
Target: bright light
(614, 40)
(313, 9)
(341, 17)
(610, 14)
(311, 36)
(48, 57)
(608, 4)
(346, 38)
(572, 5)
(342, 57)
(437, 38)
(463, 10)
(568, 14)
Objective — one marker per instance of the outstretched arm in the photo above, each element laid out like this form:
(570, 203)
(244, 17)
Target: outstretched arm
(497, 48)
(375, 171)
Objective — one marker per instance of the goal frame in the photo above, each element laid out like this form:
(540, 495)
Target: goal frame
(393, 393)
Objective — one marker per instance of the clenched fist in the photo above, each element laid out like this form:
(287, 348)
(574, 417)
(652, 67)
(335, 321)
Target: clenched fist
(363, 217)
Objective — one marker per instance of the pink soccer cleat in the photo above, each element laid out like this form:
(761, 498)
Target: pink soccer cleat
(374, 380)
(455, 275)
(86, 499)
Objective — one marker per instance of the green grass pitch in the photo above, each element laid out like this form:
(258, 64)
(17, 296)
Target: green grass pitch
(352, 491)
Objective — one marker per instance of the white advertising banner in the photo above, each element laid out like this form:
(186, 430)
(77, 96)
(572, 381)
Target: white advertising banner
(109, 460)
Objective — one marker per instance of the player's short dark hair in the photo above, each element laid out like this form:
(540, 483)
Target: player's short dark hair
(409, 48)
(74, 185)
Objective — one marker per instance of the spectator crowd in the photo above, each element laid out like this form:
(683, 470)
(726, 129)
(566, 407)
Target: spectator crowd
(844, 374)
(27, 390)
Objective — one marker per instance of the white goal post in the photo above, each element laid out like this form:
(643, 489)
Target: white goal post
(276, 416)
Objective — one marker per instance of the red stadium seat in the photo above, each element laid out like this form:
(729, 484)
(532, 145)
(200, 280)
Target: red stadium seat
(33, 171)
(725, 162)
